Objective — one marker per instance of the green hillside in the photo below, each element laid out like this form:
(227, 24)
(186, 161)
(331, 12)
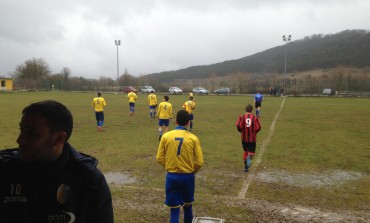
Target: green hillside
(348, 48)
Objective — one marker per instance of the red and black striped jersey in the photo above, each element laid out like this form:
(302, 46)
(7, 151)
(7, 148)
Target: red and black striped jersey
(248, 125)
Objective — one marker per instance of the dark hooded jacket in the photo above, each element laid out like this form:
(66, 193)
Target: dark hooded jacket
(71, 189)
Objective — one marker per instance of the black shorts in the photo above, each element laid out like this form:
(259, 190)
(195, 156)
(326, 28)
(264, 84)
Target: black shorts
(258, 104)
(249, 146)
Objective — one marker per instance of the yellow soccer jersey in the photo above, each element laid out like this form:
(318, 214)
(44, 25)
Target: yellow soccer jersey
(164, 110)
(189, 106)
(152, 99)
(179, 150)
(99, 104)
(131, 96)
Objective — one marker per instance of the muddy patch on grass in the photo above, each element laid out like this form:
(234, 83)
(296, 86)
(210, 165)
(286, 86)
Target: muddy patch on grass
(314, 179)
(117, 178)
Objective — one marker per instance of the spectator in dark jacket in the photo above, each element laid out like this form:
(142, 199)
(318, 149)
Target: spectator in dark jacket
(46, 179)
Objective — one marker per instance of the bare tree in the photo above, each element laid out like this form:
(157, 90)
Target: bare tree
(32, 73)
(33, 69)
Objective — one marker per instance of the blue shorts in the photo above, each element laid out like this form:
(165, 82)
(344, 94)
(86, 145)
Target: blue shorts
(179, 189)
(152, 107)
(132, 104)
(164, 122)
(191, 117)
(99, 116)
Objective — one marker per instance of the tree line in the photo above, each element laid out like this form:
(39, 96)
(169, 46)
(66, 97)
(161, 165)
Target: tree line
(343, 58)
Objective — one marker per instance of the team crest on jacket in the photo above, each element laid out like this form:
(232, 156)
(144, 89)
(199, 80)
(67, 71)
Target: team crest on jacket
(63, 193)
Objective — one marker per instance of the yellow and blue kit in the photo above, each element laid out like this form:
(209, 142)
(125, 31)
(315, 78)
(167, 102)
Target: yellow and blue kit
(152, 100)
(164, 110)
(99, 104)
(189, 106)
(131, 97)
(181, 155)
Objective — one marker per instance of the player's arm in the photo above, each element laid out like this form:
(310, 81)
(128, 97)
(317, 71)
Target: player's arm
(159, 110)
(257, 125)
(239, 123)
(161, 158)
(170, 112)
(198, 156)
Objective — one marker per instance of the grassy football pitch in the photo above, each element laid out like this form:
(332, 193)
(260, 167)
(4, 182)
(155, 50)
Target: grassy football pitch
(312, 158)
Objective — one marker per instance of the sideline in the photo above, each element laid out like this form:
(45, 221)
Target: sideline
(266, 141)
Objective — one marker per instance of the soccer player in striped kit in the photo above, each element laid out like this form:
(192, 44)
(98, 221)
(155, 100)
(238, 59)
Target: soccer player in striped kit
(248, 125)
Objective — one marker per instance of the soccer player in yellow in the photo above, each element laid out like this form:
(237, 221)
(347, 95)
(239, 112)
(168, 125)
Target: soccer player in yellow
(99, 104)
(131, 101)
(189, 106)
(181, 155)
(191, 94)
(152, 100)
(164, 115)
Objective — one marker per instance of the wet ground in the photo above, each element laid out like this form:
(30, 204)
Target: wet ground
(264, 211)
(329, 178)
(116, 178)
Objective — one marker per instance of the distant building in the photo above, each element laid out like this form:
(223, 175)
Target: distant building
(6, 84)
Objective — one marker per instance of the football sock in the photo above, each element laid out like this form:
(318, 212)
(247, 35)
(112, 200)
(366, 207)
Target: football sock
(258, 113)
(245, 154)
(188, 214)
(151, 115)
(249, 161)
(154, 114)
(175, 215)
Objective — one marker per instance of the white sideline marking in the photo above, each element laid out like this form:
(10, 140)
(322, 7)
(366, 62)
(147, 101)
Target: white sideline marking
(266, 141)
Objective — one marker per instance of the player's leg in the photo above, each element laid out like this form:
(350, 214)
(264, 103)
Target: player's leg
(166, 123)
(245, 155)
(188, 213)
(175, 215)
(130, 106)
(97, 118)
(133, 108)
(251, 151)
(160, 130)
(173, 199)
(258, 107)
(187, 189)
(151, 111)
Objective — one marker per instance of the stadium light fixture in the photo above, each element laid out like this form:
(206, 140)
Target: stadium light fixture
(117, 42)
(286, 40)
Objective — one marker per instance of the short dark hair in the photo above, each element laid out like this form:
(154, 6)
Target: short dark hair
(58, 117)
(166, 98)
(191, 98)
(99, 94)
(182, 117)
(249, 108)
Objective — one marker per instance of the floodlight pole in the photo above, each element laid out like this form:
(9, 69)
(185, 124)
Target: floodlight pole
(117, 42)
(286, 40)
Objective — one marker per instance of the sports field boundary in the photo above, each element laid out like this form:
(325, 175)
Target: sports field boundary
(262, 149)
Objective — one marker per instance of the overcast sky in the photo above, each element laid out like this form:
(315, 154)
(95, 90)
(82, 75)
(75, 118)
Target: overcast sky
(160, 35)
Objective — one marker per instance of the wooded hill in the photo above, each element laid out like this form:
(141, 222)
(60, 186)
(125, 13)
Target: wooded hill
(350, 48)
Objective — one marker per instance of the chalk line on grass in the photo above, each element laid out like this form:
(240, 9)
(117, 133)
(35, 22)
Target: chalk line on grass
(262, 149)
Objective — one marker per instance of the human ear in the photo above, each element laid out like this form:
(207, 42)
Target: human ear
(60, 137)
